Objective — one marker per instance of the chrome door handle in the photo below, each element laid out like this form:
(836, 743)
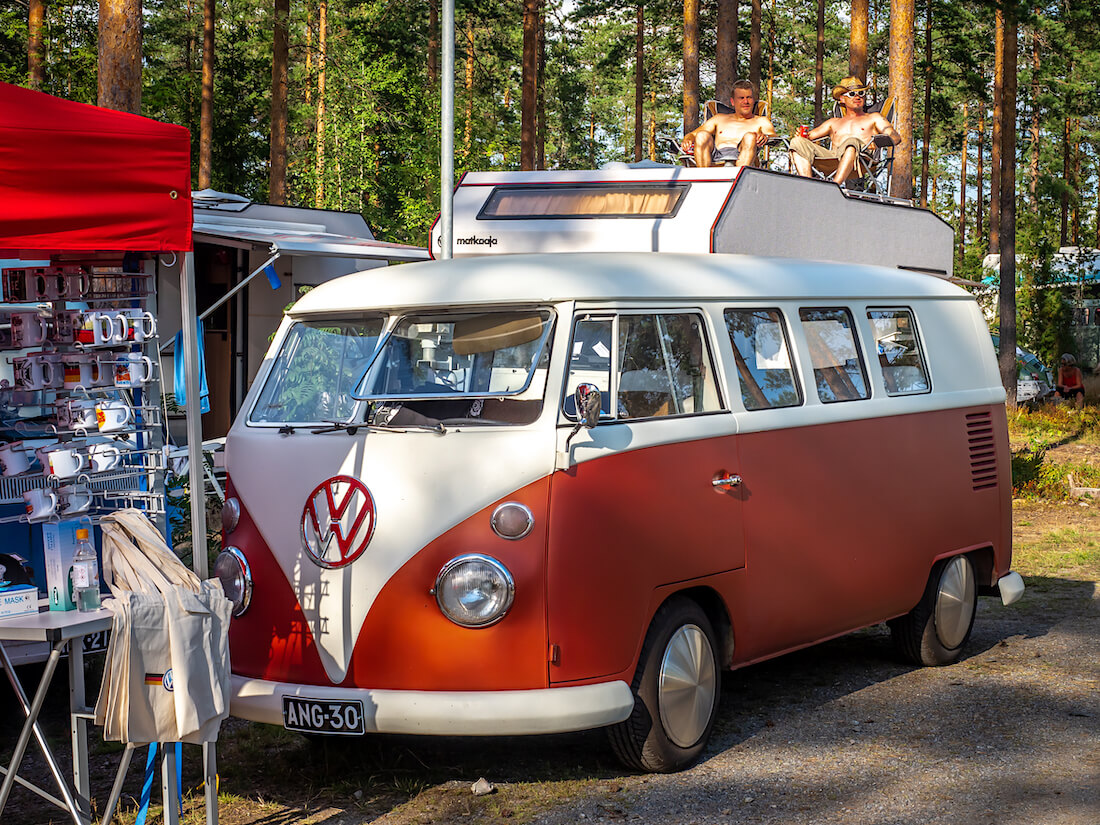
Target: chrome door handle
(726, 481)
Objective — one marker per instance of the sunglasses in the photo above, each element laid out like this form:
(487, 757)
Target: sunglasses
(855, 94)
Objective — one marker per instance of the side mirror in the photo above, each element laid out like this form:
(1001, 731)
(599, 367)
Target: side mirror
(589, 402)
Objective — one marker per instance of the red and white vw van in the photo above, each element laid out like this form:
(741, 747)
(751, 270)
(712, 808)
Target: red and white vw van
(425, 535)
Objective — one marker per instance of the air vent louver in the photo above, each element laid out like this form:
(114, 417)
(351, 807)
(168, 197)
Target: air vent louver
(983, 452)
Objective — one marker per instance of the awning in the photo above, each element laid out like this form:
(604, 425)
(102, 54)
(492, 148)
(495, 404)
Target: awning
(305, 242)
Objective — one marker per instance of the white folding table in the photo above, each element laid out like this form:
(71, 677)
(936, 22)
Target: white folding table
(61, 628)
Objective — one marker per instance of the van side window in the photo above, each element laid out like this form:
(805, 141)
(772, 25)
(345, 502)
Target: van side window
(760, 347)
(664, 367)
(590, 361)
(899, 354)
(834, 352)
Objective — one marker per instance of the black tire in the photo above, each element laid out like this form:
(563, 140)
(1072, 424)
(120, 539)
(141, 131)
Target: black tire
(936, 630)
(670, 725)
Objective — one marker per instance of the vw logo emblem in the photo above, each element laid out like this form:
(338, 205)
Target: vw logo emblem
(337, 522)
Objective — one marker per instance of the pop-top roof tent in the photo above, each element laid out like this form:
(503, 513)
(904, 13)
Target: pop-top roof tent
(676, 209)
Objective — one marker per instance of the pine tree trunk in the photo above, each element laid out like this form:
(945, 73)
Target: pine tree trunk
(322, 65)
(276, 186)
(962, 183)
(995, 146)
(540, 92)
(901, 86)
(639, 80)
(1033, 177)
(468, 130)
(433, 42)
(206, 105)
(1063, 234)
(979, 211)
(529, 85)
(36, 46)
(691, 65)
(927, 104)
(725, 54)
(857, 43)
(754, 45)
(1075, 216)
(1007, 213)
(653, 125)
(819, 62)
(119, 79)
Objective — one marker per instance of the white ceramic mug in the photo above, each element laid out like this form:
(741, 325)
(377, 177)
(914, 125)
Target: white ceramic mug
(14, 459)
(28, 329)
(104, 457)
(133, 369)
(112, 416)
(140, 325)
(102, 328)
(105, 369)
(62, 460)
(32, 372)
(65, 324)
(77, 413)
(79, 370)
(41, 504)
(73, 499)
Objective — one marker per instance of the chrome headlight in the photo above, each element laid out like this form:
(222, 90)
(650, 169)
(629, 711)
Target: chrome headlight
(474, 590)
(231, 514)
(231, 568)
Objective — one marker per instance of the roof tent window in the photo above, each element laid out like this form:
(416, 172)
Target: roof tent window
(834, 351)
(605, 200)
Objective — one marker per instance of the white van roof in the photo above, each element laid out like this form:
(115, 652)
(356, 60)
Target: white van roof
(619, 276)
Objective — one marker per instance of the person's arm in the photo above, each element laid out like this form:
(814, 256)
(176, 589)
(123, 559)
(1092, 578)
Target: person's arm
(822, 130)
(887, 128)
(765, 131)
(688, 143)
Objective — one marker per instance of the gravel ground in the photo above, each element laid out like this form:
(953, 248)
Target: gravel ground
(839, 733)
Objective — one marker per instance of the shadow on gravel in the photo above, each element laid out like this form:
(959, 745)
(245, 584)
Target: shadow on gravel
(779, 699)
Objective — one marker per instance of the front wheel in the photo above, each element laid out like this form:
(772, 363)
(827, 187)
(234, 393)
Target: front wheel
(676, 689)
(935, 631)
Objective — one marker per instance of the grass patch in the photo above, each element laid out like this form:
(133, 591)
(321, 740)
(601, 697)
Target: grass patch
(1064, 553)
(1051, 424)
(1033, 476)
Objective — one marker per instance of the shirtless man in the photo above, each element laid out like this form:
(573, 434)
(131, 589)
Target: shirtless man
(742, 132)
(854, 130)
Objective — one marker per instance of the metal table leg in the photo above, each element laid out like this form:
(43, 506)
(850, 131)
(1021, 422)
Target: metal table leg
(30, 727)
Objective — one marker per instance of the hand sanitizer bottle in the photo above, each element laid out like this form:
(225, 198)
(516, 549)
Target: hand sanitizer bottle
(85, 573)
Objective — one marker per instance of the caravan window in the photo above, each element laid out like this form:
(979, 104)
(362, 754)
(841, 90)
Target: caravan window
(898, 349)
(605, 200)
(834, 352)
(762, 352)
(664, 367)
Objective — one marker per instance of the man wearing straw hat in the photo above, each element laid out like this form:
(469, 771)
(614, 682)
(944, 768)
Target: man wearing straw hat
(848, 134)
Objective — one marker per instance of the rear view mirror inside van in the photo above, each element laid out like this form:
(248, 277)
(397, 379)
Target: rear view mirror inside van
(496, 330)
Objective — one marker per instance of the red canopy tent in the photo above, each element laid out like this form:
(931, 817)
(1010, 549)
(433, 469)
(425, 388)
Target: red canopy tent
(77, 178)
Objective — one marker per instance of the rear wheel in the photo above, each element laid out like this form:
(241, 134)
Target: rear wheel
(935, 631)
(676, 690)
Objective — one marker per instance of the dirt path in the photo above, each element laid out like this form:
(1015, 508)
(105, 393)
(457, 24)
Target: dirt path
(840, 733)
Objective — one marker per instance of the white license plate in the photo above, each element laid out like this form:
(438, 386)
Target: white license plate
(323, 716)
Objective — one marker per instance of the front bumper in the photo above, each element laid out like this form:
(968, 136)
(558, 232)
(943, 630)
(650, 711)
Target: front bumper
(447, 713)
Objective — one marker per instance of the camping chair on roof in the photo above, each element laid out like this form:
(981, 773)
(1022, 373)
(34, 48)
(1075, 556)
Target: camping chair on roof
(876, 162)
(716, 107)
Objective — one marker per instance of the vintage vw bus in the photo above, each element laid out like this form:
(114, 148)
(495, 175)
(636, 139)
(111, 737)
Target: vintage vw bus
(533, 493)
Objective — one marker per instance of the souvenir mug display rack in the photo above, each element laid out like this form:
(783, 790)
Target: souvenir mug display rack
(81, 411)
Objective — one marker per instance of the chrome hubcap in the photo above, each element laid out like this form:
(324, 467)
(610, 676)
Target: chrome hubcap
(955, 602)
(686, 686)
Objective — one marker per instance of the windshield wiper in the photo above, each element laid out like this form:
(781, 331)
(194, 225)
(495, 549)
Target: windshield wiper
(352, 428)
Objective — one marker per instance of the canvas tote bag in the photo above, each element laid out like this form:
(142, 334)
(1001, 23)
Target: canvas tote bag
(167, 672)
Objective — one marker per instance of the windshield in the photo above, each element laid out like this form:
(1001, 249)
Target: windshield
(316, 371)
(472, 367)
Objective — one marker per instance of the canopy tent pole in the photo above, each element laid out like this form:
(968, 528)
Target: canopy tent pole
(194, 416)
(447, 137)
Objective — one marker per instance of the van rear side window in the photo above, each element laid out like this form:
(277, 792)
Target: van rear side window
(760, 347)
(899, 354)
(834, 353)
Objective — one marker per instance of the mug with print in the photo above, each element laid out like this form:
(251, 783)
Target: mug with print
(112, 416)
(104, 457)
(28, 329)
(73, 499)
(14, 458)
(40, 503)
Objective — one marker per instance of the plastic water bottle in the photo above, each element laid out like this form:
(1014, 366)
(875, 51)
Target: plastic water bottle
(85, 573)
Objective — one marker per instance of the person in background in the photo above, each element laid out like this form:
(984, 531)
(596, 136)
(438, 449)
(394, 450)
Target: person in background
(1070, 382)
(848, 134)
(731, 137)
